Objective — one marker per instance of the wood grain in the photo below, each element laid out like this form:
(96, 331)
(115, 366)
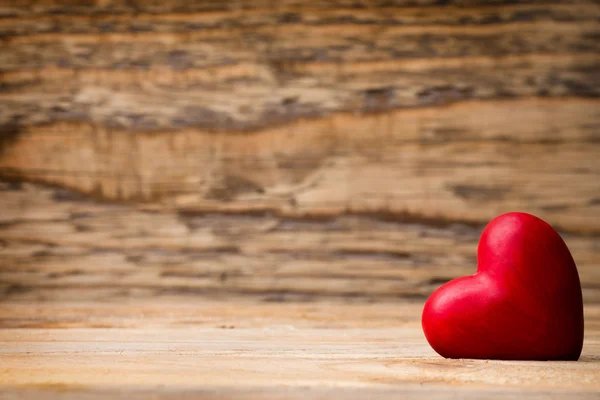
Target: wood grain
(59, 245)
(180, 349)
(230, 80)
(303, 151)
(27, 8)
(464, 162)
(456, 112)
(251, 95)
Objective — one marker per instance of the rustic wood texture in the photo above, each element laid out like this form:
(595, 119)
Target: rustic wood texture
(171, 349)
(286, 150)
(60, 245)
(456, 112)
(464, 162)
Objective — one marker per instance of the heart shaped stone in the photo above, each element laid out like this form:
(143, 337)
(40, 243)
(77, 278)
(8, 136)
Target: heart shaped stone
(523, 303)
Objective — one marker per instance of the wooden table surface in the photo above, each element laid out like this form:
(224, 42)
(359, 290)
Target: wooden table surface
(178, 348)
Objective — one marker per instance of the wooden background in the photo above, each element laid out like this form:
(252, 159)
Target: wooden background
(293, 152)
(288, 149)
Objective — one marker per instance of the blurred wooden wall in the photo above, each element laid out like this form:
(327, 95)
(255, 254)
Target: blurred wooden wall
(288, 150)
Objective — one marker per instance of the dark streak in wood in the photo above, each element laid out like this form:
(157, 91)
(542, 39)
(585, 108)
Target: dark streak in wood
(480, 193)
(437, 281)
(117, 8)
(595, 201)
(9, 133)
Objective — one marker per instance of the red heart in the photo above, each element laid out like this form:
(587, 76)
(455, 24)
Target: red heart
(523, 303)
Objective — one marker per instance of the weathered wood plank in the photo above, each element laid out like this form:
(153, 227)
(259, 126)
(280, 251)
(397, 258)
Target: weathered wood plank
(177, 349)
(116, 7)
(56, 246)
(464, 162)
(146, 19)
(231, 139)
(289, 392)
(174, 312)
(243, 77)
(215, 98)
(218, 110)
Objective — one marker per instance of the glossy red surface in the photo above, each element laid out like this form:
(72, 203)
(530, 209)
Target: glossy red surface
(523, 303)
